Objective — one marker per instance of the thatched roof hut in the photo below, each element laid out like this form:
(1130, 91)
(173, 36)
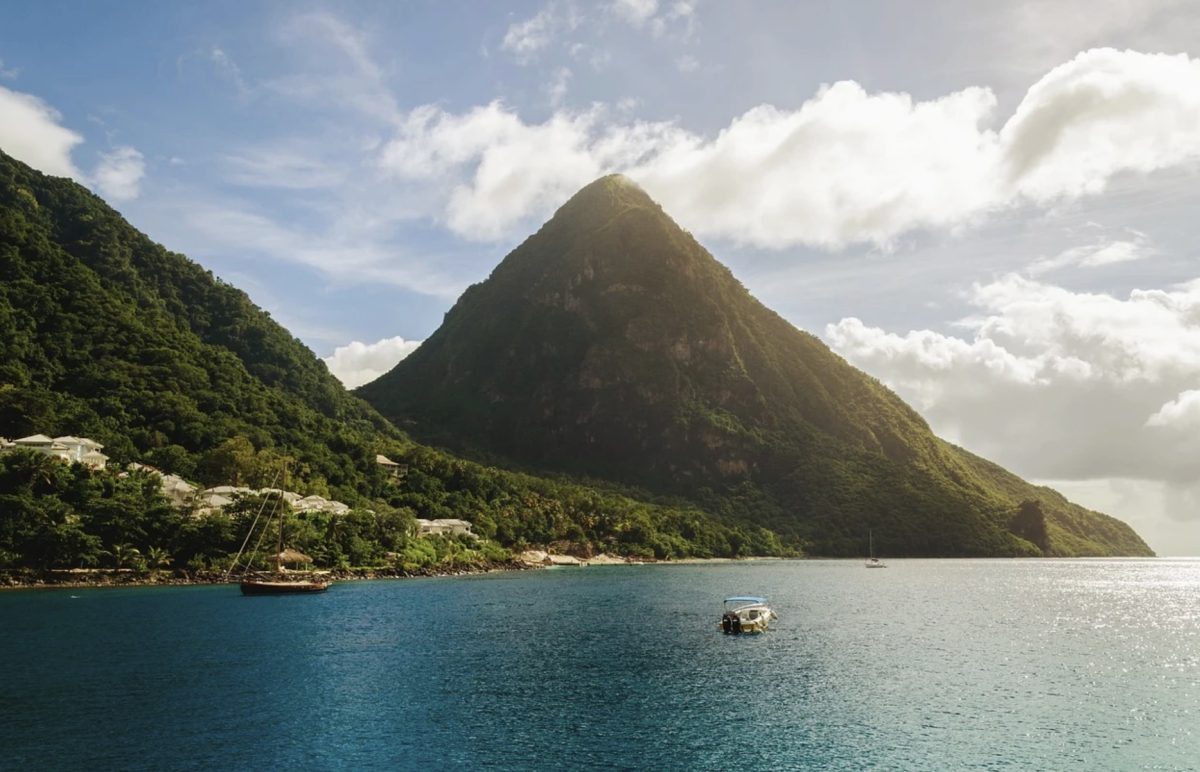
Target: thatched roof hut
(290, 555)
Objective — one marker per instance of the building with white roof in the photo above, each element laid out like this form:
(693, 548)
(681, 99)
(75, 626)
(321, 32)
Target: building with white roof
(443, 526)
(76, 450)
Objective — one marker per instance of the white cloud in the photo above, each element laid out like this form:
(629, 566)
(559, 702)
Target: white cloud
(681, 11)
(636, 12)
(30, 132)
(8, 73)
(1102, 113)
(524, 39)
(1100, 253)
(687, 63)
(533, 34)
(1183, 412)
(1054, 383)
(847, 166)
(357, 363)
(657, 18)
(502, 169)
(119, 174)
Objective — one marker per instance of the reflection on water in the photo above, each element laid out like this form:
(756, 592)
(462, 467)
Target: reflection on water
(929, 664)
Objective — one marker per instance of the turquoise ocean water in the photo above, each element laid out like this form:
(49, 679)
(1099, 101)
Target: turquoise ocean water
(956, 664)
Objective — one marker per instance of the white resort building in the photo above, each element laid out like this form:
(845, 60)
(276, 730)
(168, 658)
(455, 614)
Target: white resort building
(74, 450)
(443, 526)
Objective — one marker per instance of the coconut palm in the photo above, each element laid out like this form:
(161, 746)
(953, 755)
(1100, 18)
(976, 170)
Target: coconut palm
(157, 557)
(126, 556)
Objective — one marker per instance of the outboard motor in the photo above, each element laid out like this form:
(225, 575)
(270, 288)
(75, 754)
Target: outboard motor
(736, 623)
(726, 625)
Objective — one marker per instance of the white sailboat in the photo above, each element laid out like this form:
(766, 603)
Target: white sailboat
(872, 561)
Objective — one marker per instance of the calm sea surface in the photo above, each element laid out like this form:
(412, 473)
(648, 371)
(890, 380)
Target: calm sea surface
(1091, 664)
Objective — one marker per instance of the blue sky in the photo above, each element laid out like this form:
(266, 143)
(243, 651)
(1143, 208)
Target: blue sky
(989, 207)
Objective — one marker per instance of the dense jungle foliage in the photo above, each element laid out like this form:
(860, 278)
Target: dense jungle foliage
(107, 335)
(611, 344)
(57, 515)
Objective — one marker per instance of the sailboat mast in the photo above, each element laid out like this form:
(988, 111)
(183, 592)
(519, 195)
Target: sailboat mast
(279, 550)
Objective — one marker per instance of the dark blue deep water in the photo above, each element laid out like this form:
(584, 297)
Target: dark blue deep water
(926, 665)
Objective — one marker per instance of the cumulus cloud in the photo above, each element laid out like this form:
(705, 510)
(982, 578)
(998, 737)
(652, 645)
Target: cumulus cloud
(1053, 383)
(846, 166)
(357, 363)
(1101, 113)
(30, 132)
(119, 174)
(501, 169)
(1183, 412)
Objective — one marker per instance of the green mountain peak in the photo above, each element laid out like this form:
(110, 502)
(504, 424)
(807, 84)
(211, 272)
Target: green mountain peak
(611, 344)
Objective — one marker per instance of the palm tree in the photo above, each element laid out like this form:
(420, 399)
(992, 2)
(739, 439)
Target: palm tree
(157, 557)
(125, 556)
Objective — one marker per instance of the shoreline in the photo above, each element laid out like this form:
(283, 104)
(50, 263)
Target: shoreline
(101, 578)
(75, 578)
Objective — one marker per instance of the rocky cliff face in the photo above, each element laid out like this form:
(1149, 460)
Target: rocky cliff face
(612, 344)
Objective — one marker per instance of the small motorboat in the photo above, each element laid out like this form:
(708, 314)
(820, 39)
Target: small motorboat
(746, 614)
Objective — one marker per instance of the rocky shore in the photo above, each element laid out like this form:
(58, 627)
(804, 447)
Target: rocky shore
(100, 577)
(15, 579)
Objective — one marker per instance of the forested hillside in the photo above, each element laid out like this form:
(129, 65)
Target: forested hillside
(105, 334)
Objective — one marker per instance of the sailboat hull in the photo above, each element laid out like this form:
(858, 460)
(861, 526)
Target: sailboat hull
(253, 587)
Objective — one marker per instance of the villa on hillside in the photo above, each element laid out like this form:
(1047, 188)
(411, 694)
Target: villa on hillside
(443, 526)
(74, 450)
(396, 471)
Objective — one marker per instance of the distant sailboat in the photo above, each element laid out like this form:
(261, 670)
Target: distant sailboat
(872, 561)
